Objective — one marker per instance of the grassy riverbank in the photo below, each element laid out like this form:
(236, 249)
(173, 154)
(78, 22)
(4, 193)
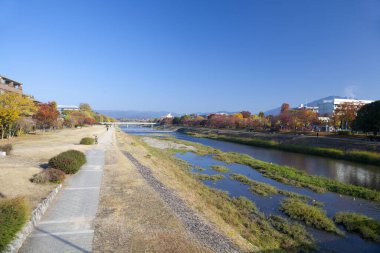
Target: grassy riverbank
(285, 174)
(236, 217)
(352, 155)
(292, 176)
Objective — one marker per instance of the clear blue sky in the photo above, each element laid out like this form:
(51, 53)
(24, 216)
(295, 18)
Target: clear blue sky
(191, 56)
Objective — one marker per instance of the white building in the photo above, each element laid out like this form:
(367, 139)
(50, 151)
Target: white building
(327, 107)
(306, 107)
(169, 116)
(62, 108)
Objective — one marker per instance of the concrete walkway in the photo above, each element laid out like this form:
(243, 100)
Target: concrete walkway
(67, 225)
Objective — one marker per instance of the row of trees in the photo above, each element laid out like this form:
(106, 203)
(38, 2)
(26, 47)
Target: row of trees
(346, 116)
(20, 114)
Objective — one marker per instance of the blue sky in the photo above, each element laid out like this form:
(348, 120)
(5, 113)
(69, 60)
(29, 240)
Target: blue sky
(191, 56)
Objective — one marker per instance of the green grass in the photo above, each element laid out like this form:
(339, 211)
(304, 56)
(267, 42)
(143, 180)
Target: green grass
(287, 175)
(14, 213)
(296, 231)
(311, 215)
(367, 227)
(256, 187)
(292, 176)
(220, 168)
(203, 177)
(198, 168)
(356, 156)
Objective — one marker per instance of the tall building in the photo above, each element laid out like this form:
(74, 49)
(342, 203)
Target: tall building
(9, 85)
(328, 107)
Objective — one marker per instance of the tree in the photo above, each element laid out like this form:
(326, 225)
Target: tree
(285, 107)
(261, 114)
(47, 115)
(85, 107)
(246, 114)
(345, 114)
(12, 107)
(368, 118)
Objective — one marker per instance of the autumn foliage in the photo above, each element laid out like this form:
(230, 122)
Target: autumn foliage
(47, 115)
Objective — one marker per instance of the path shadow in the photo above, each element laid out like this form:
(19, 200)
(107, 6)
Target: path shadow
(2, 196)
(63, 240)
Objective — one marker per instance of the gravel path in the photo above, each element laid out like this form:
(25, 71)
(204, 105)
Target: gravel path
(205, 233)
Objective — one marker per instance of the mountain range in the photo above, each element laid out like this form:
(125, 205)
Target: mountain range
(134, 114)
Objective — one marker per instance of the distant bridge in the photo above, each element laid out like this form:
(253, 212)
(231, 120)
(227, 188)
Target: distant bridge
(132, 123)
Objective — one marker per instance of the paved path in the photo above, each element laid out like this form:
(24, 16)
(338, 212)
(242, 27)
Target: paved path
(67, 225)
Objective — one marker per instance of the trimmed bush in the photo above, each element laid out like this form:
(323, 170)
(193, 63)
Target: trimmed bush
(68, 161)
(87, 141)
(49, 175)
(7, 148)
(13, 215)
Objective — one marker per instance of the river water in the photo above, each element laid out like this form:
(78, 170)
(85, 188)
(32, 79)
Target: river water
(333, 203)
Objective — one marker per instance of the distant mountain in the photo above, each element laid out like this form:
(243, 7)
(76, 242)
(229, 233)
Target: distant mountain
(135, 114)
(277, 110)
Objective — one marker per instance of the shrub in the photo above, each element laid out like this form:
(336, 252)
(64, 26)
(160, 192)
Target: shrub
(87, 141)
(13, 215)
(367, 227)
(68, 161)
(7, 148)
(49, 175)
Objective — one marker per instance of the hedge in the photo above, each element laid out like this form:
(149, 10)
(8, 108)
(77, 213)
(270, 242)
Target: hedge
(69, 161)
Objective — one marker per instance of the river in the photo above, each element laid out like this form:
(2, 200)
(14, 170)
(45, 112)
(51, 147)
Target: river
(333, 203)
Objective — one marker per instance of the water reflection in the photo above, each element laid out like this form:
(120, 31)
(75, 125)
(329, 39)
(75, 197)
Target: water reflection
(333, 203)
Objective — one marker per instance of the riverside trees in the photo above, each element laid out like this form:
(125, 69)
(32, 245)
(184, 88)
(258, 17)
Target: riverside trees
(368, 118)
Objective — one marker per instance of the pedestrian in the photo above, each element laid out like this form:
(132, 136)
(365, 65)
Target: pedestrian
(96, 139)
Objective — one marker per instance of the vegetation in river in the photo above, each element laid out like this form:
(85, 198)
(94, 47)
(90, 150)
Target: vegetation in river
(220, 168)
(240, 213)
(203, 177)
(353, 155)
(198, 168)
(296, 231)
(367, 227)
(256, 187)
(292, 176)
(311, 215)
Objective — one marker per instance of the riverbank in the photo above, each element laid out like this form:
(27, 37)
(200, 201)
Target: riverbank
(301, 144)
(142, 206)
(237, 218)
(30, 155)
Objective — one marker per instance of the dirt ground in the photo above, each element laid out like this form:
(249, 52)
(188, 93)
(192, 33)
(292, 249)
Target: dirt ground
(33, 151)
(131, 215)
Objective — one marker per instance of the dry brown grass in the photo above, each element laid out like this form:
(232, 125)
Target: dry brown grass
(132, 217)
(168, 172)
(29, 152)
